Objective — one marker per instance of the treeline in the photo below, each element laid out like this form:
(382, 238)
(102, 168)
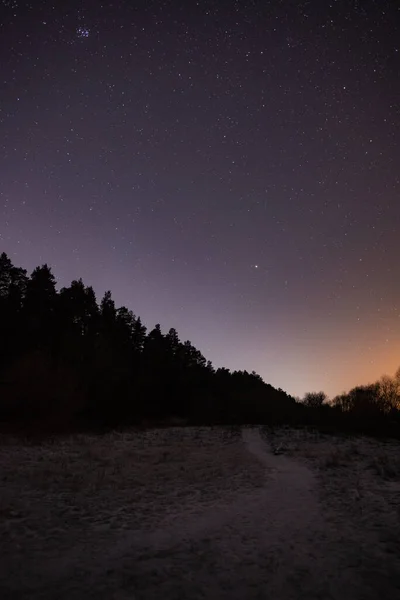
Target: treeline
(372, 409)
(68, 362)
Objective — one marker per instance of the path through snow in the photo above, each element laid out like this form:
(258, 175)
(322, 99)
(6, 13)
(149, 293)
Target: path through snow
(271, 541)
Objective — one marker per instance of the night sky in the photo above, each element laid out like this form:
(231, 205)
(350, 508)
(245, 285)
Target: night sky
(230, 169)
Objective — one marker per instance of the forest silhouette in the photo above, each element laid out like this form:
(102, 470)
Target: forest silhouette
(70, 363)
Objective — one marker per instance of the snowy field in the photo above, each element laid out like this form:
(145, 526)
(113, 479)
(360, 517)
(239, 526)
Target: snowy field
(200, 513)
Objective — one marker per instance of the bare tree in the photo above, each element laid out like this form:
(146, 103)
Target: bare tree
(315, 399)
(389, 392)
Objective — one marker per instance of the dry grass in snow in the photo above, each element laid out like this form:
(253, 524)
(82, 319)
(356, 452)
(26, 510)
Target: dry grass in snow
(200, 513)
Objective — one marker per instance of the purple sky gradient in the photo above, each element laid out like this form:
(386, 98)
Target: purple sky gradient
(230, 169)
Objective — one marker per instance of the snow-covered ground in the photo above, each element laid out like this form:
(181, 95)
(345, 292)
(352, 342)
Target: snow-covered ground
(200, 513)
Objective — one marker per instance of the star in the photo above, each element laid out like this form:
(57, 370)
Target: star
(82, 32)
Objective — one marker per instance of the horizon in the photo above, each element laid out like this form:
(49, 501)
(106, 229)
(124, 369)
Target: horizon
(233, 365)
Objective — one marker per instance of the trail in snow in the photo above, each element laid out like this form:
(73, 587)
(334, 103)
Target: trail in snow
(268, 542)
(286, 502)
(264, 542)
(289, 496)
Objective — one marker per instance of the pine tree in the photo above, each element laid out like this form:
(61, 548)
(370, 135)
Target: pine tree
(40, 307)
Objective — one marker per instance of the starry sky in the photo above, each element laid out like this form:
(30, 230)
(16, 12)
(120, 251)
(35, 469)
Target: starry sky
(229, 168)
